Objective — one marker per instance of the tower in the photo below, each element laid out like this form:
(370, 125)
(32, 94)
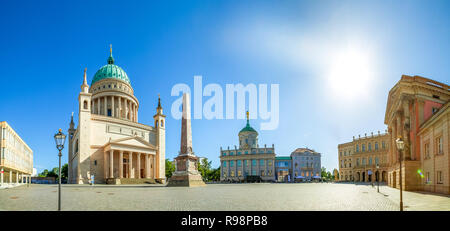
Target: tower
(84, 128)
(186, 163)
(160, 122)
(71, 132)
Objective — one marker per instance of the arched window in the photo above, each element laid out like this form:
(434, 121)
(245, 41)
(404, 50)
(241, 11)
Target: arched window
(156, 125)
(85, 104)
(376, 145)
(357, 148)
(76, 146)
(162, 123)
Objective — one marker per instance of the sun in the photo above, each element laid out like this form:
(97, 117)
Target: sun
(350, 75)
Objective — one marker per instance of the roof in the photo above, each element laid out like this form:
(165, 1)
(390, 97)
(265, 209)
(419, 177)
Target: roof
(110, 71)
(303, 150)
(282, 158)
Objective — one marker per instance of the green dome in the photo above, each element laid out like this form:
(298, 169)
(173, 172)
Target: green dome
(248, 128)
(110, 71)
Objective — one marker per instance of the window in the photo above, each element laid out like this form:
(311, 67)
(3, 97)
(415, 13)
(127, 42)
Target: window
(85, 104)
(246, 141)
(239, 173)
(109, 112)
(439, 177)
(162, 123)
(370, 161)
(427, 150)
(245, 163)
(364, 161)
(357, 161)
(376, 146)
(427, 178)
(383, 145)
(345, 153)
(231, 153)
(253, 162)
(232, 173)
(95, 162)
(261, 162)
(239, 163)
(357, 148)
(269, 162)
(246, 152)
(363, 148)
(231, 163)
(239, 153)
(370, 147)
(376, 160)
(224, 154)
(434, 110)
(439, 147)
(262, 172)
(253, 172)
(224, 164)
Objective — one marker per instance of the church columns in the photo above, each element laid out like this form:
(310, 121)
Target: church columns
(98, 106)
(138, 165)
(111, 164)
(130, 165)
(112, 106)
(119, 115)
(147, 165)
(105, 105)
(121, 164)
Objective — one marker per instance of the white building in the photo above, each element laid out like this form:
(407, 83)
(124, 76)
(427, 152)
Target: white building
(109, 143)
(16, 158)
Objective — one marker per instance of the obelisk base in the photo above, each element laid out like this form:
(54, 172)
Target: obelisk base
(186, 180)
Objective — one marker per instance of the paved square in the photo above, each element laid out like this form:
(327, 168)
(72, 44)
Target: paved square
(218, 197)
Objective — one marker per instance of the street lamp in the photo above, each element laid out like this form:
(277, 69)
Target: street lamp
(378, 171)
(400, 147)
(60, 138)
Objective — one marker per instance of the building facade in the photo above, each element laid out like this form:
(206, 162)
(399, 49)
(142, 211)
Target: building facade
(358, 160)
(249, 159)
(417, 111)
(306, 164)
(283, 168)
(16, 157)
(109, 144)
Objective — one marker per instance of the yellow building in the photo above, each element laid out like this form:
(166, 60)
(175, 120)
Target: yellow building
(417, 110)
(358, 159)
(16, 158)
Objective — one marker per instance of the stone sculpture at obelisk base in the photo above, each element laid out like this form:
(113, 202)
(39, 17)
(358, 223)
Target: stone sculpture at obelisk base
(186, 163)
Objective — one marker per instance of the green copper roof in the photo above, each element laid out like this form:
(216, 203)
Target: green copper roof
(110, 71)
(247, 128)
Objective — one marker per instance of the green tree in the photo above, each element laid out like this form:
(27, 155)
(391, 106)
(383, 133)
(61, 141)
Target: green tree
(170, 168)
(43, 173)
(215, 174)
(323, 173)
(204, 167)
(65, 172)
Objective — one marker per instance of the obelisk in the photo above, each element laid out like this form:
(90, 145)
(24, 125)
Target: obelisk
(186, 170)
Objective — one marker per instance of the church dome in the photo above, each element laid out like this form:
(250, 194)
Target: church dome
(110, 71)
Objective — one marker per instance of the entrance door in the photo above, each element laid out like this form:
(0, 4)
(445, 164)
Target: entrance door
(142, 173)
(125, 168)
(363, 177)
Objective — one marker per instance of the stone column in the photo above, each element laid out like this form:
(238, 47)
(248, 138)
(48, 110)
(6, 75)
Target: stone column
(138, 164)
(120, 107)
(111, 163)
(1, 177)
(10, 176)
(136, 114)
(106, 105)
(98, 106)
(154, 166)
(125, 108)
(130, 165)
(17, 177)
(147, 166)
(112, 107)
(121, 164)
(105, 165)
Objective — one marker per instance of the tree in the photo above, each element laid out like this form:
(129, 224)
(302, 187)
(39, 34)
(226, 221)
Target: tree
(329, 175)
(204, 167)
(215, 174)
(65, 172)
(43, 173)
(323, 172)
(170, 168)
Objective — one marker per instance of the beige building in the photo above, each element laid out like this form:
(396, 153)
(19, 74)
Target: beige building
(109, 144)
(417, 110)
(358, 160)
(16, 158)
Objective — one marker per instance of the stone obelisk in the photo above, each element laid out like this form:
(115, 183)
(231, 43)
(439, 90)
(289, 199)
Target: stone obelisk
(186, 170)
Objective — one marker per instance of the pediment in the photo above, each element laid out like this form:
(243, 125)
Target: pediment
(133, 141)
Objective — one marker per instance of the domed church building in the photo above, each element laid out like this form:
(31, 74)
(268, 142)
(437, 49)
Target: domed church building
(109, 145)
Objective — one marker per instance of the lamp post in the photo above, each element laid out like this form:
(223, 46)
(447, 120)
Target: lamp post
(400, 147)
(60, 138)
(378, 171)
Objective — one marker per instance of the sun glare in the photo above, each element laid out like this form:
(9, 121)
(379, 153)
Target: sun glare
(350, 75)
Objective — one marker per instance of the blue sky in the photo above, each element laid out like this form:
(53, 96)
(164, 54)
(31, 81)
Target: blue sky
(335, 62)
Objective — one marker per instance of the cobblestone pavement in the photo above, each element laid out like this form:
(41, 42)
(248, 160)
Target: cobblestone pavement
(217, 197)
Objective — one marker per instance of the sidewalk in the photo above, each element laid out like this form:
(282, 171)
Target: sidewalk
(7, 185)
(415, 201)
